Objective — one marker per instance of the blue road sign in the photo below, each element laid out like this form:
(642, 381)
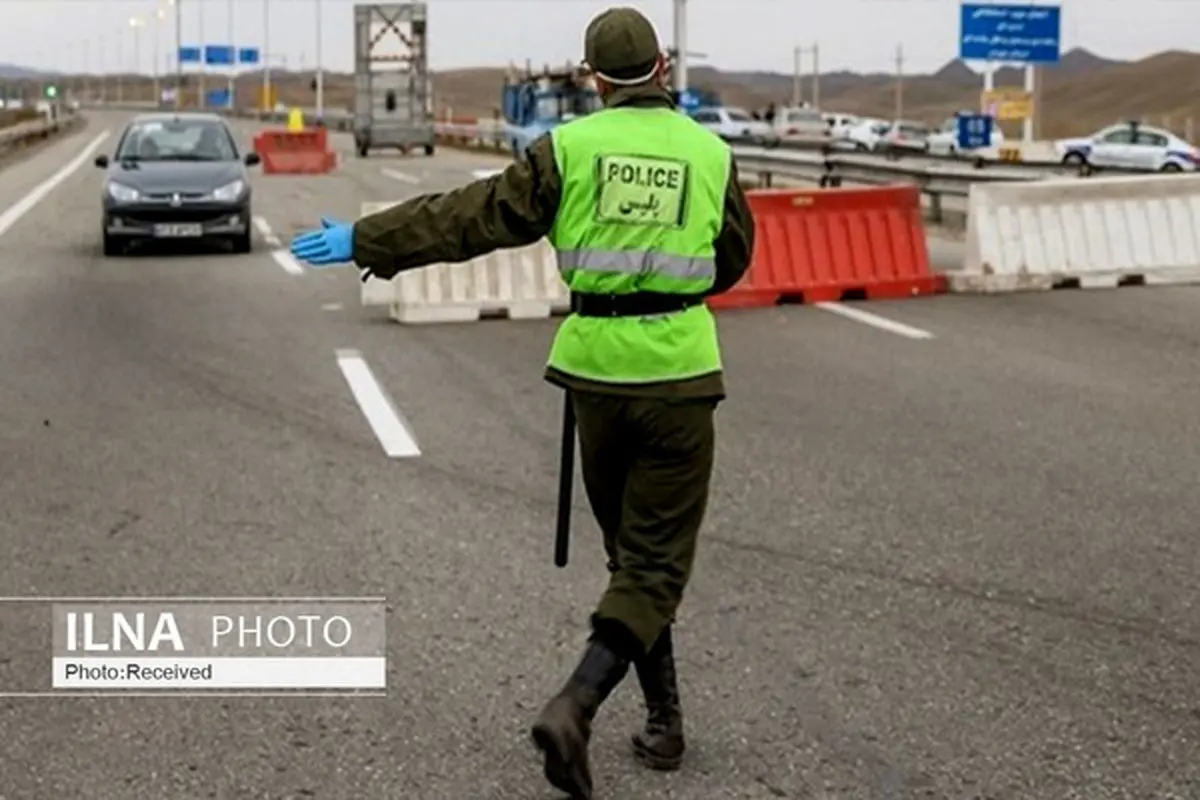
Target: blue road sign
(689, 101)
(1025, 34)
(248, 55)
(223, 55)
(974, 131)
(217, 98)
(189, 55)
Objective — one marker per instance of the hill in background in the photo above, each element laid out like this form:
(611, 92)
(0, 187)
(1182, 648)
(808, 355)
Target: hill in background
(1082, 93)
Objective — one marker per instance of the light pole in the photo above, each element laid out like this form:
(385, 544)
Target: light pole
(200, 90)
(798, 74)
(159, 16)
(137, 23)
(102, 71)
(679, 69)
(233, 66)
(265, 56)
(320, 69)
(178, 53)
(120, 69)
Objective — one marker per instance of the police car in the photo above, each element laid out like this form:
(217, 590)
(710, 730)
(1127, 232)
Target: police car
(1130, 145)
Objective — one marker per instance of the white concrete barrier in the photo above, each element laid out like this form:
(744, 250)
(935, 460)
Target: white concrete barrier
(521, 283)
(1101, 232)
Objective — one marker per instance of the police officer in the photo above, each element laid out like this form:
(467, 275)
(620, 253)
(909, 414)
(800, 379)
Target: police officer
(644, 210)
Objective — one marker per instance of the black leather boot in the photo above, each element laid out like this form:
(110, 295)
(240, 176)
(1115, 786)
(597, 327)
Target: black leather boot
(564, 727)
(660, 744)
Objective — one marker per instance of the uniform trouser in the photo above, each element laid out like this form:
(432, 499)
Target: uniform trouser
(646, 466)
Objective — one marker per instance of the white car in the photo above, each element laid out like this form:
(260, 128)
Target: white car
(799, 123)
(734, 123)
(840, 125)
(867, 134)
(945, 141)
(1130, 145)
(906, 135)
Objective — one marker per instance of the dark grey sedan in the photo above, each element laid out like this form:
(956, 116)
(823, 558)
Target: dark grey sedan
(176, 176)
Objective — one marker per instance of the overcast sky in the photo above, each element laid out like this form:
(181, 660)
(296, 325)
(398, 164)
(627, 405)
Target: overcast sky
(72, 35)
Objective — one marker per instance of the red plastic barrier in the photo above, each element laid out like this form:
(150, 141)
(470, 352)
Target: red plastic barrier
(828, 245)
(286, 152)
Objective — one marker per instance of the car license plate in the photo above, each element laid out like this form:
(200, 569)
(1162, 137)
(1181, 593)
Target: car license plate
(177, 231)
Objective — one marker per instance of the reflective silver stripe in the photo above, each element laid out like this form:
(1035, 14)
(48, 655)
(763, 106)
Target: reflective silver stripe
(637, 262)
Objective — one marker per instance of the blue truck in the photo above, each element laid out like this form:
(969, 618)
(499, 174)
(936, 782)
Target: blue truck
(534, 104)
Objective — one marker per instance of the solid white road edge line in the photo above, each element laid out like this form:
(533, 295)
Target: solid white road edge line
(385, 419)
(289, 264)
(39, 192)
(264, 230)
(876, 321)
(400, 176)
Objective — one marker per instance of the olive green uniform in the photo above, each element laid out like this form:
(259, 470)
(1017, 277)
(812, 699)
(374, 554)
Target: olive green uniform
(646, 449)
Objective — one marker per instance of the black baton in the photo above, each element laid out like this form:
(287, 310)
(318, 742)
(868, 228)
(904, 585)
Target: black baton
(566, 482)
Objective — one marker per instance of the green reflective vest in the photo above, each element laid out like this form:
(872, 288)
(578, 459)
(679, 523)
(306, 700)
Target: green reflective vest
(643, 199)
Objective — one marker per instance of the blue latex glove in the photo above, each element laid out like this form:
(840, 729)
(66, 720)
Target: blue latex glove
(331, 245)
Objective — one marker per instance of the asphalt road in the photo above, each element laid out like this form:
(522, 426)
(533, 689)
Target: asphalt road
(958, 566)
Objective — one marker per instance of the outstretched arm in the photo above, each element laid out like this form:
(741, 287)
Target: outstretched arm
(516, 207)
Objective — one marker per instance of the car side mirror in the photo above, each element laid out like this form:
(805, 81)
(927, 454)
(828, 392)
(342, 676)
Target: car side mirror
(252, 159)
(102, 162)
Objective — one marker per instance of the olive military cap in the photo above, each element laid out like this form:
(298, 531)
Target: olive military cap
(621, 46)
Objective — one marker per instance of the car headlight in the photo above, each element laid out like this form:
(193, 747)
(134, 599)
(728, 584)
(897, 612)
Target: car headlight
(230, 191)
(122, 193)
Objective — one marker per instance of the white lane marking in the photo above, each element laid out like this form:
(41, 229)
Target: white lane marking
(481, 174)
(264, 230)
(400, 176)
(287, 263)
(876, 321)
(39, 192)
(331, 307)
(389, 425)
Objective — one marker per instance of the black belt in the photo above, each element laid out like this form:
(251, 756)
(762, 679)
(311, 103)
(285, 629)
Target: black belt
(638, 304)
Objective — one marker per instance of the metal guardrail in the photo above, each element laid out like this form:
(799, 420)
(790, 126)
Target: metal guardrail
(824, 162)
(33, 131)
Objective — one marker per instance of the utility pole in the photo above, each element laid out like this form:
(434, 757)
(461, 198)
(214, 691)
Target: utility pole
(266, 56)
(178, 51)
(899, 82)
(102, 71)
(798, 75)
(120, 69)
(320, 69)
(679, 68)
(232, 67)
(201, 90)
(159, 16)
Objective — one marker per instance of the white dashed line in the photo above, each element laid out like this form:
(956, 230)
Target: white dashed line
(400, 176)
(876, 321)
(287, 263)
(39, 192)
(264, 230)
(481, 174)
(385, 419)
(331, 307)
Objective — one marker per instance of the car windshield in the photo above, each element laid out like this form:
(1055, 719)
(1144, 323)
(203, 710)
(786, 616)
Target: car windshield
(177, 140)
(737, 115)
